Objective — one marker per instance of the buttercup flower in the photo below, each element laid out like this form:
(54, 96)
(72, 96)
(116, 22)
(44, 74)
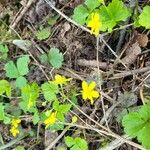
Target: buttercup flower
(15, 122)
(95, 23)
(61, 79)
(14, 131)
(50, 120)
(88, 91)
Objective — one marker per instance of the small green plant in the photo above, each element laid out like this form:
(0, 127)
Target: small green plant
(43, 33)
(137, 124)
(54, 119)
(3, 115)
(3, 51)
(54, 57)
(5, 87)
(76, 143)
(50, 90)
(18, 71)
(101, 17)
(109, 17)
(19, 148)
(144, 18)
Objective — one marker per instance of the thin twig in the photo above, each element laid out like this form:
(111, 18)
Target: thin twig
(106, 131)
(57, 139)
(14, 141)
(92, 63)
(98, 72)
(80, 26)
(14, 24)
(131, 72)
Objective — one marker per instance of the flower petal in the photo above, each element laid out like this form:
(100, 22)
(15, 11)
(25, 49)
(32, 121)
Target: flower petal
(84, 85)
(92, 85)
(95, 94)
(84, 95)
(92, 101)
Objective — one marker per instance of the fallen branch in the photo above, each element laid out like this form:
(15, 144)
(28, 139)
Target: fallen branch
(15, 22)
(92, 63)
(131, 72)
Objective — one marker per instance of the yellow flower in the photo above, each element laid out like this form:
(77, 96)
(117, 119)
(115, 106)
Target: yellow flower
(88, 91)
(95, 23)
(15, 122)
(14, 131)
(50, 120)
(61, 79)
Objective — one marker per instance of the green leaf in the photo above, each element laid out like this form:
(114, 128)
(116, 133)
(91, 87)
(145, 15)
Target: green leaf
(144, 136)
(82, 144)
(75, 147)
(64, 108)
(133, 128)
(69, 141)
(5, 87)
(21, 82)
(19, 148)
(76, 143)
(3, 48)
(29, 94)
(2, 113)
(137, 124)
(80, 14)
(53, 20)
(35, 118)
(3, 56)
(44, 58)
(144, 18)
(55, 57)
(92, 4)
(56, 105)
(144, 112)
(11, 70)
(110, 17)
(43, 34)
(7, 120)
(22, 65)
(60, 116)
(50, 90)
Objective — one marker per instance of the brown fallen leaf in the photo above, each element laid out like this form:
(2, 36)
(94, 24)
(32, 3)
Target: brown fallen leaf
(142, 40)
(131, 54)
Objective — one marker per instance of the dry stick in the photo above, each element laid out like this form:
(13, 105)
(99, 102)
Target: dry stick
(110, 133)
(92, 63)
(57, 139)
(66, 17)
(109, 111)
(98, 71)
(121, 39)
(107, 132)
(14, 24)
(131, 72)
(83, 28)
(116, 143)
(142, 81)
(11, 143)
(101, 38)
(39, 65)
(78, 25)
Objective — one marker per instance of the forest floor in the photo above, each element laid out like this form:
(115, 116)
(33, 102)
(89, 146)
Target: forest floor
(119, 62)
